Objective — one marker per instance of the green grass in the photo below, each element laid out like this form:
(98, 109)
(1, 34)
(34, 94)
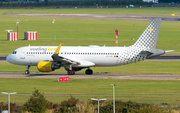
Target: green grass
(93, 87)
(160, 11)
(144, 67)
(83, 32)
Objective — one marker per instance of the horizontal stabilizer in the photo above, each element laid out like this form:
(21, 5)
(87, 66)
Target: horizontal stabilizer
(169, 51)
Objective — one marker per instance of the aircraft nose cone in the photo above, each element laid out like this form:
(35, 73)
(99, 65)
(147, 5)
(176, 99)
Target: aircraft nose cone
(8, 58)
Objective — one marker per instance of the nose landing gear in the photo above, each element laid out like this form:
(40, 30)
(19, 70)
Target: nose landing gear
(27, 70)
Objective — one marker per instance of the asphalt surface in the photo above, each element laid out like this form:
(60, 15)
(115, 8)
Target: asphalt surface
(2, 57)
(107, 16)
(94, 76)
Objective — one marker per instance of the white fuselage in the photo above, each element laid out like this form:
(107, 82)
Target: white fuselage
(100, 56)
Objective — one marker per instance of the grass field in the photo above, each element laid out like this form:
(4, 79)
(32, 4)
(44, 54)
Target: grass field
(145, 67)
(128, 89)
(83, 32)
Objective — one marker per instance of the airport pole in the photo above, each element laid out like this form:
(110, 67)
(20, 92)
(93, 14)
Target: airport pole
(117, 34)
(98, 101)
(17, 29)
(113, 98)
(116, 41)
(8, 99)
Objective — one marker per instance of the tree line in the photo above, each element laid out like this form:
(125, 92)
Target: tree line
(37, 103)
(76, 3)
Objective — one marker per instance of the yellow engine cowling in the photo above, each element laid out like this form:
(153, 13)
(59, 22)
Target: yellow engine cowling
(47, 66)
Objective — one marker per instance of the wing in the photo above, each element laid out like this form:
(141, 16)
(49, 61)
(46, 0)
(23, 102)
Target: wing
(63, 60)
(66, 61)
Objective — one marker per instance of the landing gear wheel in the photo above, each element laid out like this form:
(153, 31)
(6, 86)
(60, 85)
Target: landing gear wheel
(89, 72)
(71, 72)
(27, 72)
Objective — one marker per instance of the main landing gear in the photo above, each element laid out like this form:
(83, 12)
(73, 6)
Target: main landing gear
(89, 72)
(27, 70)
(70, 72)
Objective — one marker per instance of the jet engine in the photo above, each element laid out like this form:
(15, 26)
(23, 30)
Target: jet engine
(47, 66)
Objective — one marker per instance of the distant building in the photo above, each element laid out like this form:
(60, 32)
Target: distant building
(154, 1)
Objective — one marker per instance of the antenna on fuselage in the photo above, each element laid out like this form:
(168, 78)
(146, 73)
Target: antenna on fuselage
(29, 44)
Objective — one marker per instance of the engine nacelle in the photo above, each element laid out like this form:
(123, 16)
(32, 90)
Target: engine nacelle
(47, 66)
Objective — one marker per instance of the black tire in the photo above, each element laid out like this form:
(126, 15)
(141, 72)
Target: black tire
(89, 72)
(27, 72)
(71, 72)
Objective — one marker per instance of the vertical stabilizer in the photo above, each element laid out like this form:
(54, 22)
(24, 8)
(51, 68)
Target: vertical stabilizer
(144, 46)
(148, 38)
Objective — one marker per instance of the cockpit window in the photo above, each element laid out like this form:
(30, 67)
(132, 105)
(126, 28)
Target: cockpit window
(14, 52)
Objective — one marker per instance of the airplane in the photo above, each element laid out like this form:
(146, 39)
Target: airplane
(75, 58)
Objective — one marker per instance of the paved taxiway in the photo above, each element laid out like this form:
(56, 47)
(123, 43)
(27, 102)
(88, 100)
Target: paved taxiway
(106, 16)
(94, 76)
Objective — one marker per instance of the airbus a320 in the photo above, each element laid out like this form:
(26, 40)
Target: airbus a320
(75, 58)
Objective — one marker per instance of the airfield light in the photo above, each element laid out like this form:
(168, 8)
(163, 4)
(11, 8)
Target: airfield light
(98, 101)
(9, 99)
(113, 98)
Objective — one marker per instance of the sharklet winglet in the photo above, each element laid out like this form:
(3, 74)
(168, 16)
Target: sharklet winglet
(58, 49)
